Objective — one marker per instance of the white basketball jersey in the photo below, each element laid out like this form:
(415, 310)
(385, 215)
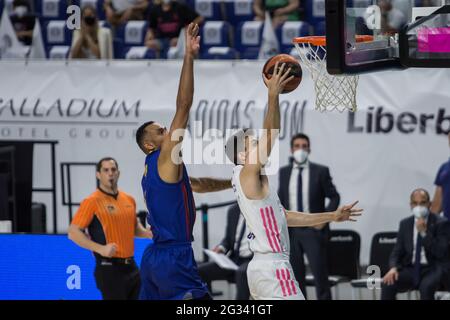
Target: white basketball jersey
(265, 219)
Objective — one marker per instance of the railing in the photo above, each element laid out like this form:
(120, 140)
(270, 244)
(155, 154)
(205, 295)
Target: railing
(204, 209)
(65, 172)
(51, 189)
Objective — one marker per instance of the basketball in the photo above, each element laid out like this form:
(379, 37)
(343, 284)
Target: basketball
(291, 62)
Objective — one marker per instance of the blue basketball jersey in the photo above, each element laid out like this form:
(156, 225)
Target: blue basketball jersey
(171, 207)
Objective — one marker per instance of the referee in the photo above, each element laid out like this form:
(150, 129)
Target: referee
(109, 215)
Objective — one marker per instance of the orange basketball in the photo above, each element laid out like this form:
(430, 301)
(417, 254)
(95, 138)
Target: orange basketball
(291, 62)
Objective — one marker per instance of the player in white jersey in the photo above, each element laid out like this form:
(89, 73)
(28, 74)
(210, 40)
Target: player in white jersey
(270, 274)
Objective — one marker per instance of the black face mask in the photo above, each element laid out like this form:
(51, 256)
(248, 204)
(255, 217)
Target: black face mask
(90, 20)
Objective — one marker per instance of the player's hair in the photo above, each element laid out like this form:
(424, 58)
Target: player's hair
(299, 136)
(99, 164)
(236, 144)
(140, 135)
(421, 190)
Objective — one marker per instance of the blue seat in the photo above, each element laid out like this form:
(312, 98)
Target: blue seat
(315, 12)
(209, 9)
(220, 53)
(320, 28)
(51, 10)
(118, 48)
(58, 52)
(237, 11)
(215, 34)
(248, 39)
(189, 3)
(139, 52)
(97, 4)
(289, 30)
(132, 33)
(56, 33)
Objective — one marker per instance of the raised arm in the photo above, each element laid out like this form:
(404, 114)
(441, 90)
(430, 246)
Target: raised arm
(275, 85)
(301, 219)
(202, 185)
(167, 167)
(250, 176)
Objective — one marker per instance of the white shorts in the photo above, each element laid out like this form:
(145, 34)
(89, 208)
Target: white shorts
(270, 277)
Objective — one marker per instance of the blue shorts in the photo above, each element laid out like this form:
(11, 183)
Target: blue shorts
(169, 272)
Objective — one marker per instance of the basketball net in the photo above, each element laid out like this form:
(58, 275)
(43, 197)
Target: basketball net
(332, 92)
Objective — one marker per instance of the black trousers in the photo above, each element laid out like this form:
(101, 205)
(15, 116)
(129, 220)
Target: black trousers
(210, 271)
(117, 281)
(313, 243)
(430, 282)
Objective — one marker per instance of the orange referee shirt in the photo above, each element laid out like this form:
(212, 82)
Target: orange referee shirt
(109, 219)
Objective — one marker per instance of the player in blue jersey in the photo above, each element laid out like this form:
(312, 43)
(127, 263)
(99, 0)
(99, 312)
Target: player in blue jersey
(168, 268)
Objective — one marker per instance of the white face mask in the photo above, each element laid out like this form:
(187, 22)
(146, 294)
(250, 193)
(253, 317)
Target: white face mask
(20, 11)
(300, 156)
(420, 212)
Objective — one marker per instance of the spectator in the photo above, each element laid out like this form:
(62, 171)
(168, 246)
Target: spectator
(166, 21)
(91, 41)
(280, 10)
(441, 199)
(237, 246)
(392, 18)
(121, 11)
(23, 21)
(420, 257)
(304, 186)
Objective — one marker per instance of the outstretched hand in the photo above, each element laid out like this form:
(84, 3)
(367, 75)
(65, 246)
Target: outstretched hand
(345, 213)
(279, 79)
(192, 39)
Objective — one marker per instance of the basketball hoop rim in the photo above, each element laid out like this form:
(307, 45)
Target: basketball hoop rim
(322, 40)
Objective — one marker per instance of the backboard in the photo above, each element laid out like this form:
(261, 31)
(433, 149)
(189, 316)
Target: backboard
(406, 33)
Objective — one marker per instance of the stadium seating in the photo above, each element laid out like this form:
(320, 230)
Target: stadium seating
(58, 52)
(56, 34)
(215, 34)
(51, 9)
(140, 52)
(118, 48)
(289, 30)
(314, 11)
(237, 11)
(229, 24)
(248, 39)
(220, 53)
(209, 9)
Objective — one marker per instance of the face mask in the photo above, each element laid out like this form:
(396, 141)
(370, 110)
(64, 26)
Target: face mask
(90, 20)
(300, 156)
(20, 11)
(420, 212)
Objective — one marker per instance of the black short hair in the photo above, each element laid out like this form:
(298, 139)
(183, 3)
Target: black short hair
(300, 136)
(140, 135)
(19, 3)
(99, 164)
(421, 190)
(236, 144)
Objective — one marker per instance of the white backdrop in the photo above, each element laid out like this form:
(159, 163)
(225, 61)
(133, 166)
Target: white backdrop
(93, 109)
